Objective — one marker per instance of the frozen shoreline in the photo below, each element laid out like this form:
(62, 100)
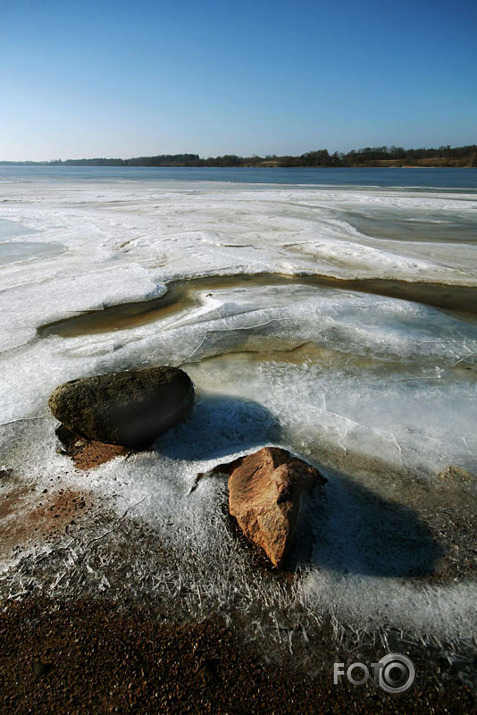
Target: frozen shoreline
(382, 389)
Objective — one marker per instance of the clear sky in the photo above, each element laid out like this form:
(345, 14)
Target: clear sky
(123, 78)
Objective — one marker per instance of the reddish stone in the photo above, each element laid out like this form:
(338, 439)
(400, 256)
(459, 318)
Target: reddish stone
(264, 497)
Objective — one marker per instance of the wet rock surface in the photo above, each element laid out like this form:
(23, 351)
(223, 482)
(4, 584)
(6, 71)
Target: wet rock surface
(127, 408)
(264, 496)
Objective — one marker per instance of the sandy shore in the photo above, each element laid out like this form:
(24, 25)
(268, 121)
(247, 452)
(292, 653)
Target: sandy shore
(92, 656)
(129, 648)
(69, 644)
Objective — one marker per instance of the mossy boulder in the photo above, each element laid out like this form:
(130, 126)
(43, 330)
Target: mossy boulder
(129, 408)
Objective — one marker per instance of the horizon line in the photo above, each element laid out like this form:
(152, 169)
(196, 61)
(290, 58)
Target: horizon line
(196, 157)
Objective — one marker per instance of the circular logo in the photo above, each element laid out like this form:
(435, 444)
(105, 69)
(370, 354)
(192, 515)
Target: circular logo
(396, 673)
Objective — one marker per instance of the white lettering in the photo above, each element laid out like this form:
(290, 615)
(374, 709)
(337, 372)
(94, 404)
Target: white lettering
(349, 673)
(337, 671)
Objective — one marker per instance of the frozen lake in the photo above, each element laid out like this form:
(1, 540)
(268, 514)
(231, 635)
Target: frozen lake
(332, 316)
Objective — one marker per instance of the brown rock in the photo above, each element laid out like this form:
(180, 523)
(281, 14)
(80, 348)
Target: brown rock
(264, 497)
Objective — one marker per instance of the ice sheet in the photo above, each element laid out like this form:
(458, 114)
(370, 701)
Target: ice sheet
(383, 390)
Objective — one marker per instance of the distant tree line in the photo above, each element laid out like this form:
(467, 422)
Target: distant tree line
(159, 160)
(463, 156)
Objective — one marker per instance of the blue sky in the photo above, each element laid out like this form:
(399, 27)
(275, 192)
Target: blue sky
(120, 79)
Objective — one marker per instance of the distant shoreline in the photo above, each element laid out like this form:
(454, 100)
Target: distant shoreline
(73, 163)
(464, 157)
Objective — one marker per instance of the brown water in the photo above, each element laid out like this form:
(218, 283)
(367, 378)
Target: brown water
(185, 294)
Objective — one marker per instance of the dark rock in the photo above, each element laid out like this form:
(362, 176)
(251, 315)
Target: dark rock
(127, 408)
(264, 497)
